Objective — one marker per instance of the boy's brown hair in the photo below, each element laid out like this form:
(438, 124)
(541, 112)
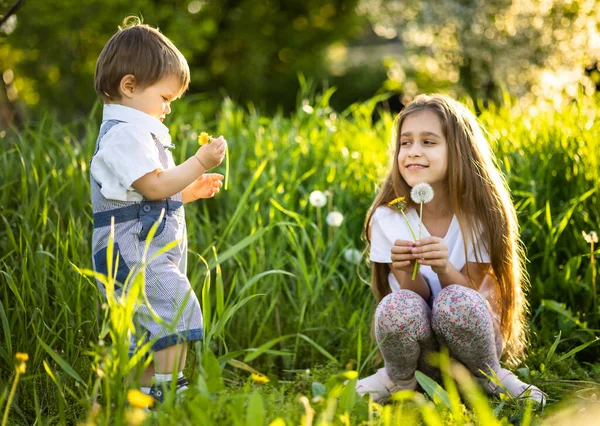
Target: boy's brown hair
(142, 51)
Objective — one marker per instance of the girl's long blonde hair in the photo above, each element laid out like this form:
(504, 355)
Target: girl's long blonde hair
(480, 198)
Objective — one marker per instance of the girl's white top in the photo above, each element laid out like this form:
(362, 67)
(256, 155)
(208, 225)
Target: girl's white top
(388, 225)
(127, 151)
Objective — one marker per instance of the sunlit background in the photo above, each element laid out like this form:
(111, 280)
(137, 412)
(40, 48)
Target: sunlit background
(255, 51)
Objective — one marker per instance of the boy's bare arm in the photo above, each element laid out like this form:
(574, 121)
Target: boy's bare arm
(161, 184)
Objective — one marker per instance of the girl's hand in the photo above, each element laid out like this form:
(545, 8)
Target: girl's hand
(212, 154)
(206, 186)
(432, 251)
(402, 256)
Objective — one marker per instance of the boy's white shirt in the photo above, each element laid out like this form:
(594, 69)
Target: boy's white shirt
(388, 225)
(127, 151)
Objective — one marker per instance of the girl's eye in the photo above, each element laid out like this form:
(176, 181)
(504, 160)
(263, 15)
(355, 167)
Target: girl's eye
(430, 142)
(402, 143)
(165, 99)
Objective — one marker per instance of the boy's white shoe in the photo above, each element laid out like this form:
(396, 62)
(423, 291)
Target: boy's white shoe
(379, 386)
(515, 387)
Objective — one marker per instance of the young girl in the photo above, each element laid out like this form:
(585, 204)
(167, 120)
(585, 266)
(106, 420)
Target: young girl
(468, 293)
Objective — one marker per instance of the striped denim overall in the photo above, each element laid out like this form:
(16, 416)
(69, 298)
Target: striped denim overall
(166, 285)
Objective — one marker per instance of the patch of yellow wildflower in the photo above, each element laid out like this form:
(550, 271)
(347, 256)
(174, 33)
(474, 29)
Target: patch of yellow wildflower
(135, 417)
(22, 359)
(139, 399)
(261, 379)
(398, 203)
(204, 138)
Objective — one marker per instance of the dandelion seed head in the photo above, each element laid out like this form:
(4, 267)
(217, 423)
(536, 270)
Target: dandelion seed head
(590, 238)
(422, 193)
(352, 255)
(335, 219)
(317, 199)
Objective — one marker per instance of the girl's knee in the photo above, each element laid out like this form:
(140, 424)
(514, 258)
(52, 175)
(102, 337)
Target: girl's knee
(402, 312)
(456, 294)
(458, 307)
(401, 301)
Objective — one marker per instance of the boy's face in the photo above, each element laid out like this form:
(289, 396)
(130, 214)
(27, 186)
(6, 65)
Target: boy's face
(154, 100)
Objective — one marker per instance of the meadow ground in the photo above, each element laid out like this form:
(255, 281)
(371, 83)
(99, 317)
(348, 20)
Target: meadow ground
(283, 293)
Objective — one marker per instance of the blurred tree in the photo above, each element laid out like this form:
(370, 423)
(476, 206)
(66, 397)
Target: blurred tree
(537, 48)
(252, 50)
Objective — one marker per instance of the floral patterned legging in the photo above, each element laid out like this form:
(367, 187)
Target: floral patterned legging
(407, 330)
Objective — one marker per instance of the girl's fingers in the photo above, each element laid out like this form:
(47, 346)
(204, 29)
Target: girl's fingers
(398, 265)
(396, 248)
(432, 255)
(427, 241)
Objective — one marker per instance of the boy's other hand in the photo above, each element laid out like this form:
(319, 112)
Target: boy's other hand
(212, 154)
(207, 185)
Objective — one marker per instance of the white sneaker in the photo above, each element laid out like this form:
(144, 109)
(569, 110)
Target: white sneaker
(515, 387)
(379, 386)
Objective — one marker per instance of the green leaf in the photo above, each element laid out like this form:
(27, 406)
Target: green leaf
(433, 389)
(256, 410)
(61, 362)
(212, 371)
(318, 389)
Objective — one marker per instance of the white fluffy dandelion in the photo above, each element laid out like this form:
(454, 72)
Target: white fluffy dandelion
(590, 238)
(317, 199)
(352, 255)
(422, 193)
(335, 219)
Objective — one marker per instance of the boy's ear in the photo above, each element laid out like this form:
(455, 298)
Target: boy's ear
(127, 86)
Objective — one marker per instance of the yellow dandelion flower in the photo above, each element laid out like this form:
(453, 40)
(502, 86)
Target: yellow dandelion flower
(261, 379)
(22, 357)
(135, 417)
(204, 138)
(278, 422)
(21, 368)
(398, 203)
(139, 399)
(345, 419)
(350, 375)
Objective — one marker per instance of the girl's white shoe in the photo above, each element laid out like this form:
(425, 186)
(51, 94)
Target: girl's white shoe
(515, 387)
(379, 386)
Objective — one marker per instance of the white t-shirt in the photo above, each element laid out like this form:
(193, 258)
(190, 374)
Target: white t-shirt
(388, 225)
(128, 152)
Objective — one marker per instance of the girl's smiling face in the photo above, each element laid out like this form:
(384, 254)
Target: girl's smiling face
(423, 155)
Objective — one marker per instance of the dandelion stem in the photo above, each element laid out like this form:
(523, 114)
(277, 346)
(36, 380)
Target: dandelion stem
(416, 267)
(409, 227)
(13, 389)
(226, 185)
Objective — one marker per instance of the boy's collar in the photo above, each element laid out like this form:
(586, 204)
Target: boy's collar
(134, 116)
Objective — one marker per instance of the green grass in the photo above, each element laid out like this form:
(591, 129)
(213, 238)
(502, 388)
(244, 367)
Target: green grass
(278, 296)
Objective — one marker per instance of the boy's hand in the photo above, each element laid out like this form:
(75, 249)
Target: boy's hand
(206, 186)
(212, 154)
(402, 257)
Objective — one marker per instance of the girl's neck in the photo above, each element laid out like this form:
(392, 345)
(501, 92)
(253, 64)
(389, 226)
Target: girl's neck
(438, 207)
